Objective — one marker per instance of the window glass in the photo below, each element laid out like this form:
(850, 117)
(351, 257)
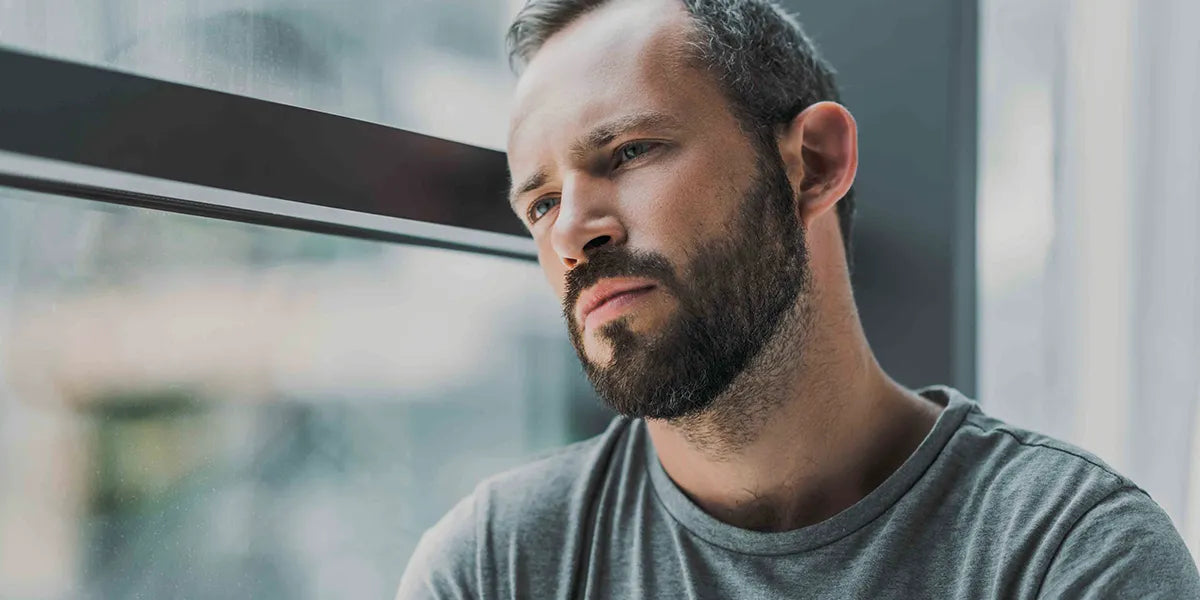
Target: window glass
(205, 409)
(433, 66)
(1089, 265)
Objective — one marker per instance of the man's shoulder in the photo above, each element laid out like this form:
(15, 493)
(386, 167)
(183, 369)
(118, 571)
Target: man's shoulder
(1020, 482)
(1099, 529)
(1009, 455)
(555, 481)
(524, 514)
(1073, 520)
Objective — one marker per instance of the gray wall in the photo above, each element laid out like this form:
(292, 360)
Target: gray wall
(907, 71)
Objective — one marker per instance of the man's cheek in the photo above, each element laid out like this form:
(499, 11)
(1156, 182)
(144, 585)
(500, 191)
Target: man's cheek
(553, 270)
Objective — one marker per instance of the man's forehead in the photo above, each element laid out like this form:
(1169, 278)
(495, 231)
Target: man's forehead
(594, 64)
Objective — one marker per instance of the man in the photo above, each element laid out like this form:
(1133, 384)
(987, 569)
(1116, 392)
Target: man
(685, 170)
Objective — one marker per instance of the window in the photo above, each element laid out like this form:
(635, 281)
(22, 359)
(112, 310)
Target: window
(434, 67)
(233, 365)
(1089, 266)
(234, 410)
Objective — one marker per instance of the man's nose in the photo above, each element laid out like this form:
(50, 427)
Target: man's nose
(587, 220)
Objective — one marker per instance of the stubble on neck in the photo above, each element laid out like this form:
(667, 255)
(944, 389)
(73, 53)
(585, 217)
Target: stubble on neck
(738, 415)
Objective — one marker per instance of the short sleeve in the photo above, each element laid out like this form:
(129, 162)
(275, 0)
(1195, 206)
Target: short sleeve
(443, 565)
(1124, 547)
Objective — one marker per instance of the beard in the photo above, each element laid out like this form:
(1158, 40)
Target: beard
(733, 296)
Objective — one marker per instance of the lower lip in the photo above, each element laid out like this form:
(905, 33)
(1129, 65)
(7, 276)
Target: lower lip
(614, 306)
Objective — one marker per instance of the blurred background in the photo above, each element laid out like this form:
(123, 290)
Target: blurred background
(199, 408)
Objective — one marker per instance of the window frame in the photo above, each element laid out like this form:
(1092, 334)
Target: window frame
(88, 132)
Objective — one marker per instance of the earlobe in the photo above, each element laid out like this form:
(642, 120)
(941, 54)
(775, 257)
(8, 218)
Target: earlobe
(820, 152)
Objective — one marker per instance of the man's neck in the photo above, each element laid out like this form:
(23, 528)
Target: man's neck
(794, 442)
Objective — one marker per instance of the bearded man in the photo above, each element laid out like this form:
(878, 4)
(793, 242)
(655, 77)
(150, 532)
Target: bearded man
(685, 170)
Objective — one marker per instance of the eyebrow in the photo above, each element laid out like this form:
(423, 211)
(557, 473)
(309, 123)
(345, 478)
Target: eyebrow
(604, 133)
(598, 137)
(533, 182)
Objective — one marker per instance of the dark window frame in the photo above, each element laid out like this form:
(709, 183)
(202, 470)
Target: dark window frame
(93, 133)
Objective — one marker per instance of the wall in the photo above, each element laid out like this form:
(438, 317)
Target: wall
(907, 71)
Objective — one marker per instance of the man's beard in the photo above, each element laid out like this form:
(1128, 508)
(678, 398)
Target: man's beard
(732, 299)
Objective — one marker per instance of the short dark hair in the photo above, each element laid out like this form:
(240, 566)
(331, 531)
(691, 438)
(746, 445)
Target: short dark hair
(767, 67)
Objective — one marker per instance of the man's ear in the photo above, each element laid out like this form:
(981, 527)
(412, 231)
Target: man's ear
(820, 153)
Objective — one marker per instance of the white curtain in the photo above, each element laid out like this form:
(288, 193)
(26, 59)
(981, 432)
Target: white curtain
(1089, 208)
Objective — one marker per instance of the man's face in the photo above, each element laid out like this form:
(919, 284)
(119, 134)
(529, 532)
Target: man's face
(671, 238)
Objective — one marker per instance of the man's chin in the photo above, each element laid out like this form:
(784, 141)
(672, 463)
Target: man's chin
(598, 355)
(601, 345)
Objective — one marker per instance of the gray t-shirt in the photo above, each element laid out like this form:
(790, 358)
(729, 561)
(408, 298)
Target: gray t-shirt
(980, 510)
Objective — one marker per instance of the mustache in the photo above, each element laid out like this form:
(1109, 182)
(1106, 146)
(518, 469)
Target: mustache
(616, 261)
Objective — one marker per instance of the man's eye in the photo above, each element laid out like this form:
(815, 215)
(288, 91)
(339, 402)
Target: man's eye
(631, 151)
(540, 207)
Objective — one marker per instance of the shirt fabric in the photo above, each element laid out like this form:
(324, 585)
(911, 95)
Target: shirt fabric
(981, 509)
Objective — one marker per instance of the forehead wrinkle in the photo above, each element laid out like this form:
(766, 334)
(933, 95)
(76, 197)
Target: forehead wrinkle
(599, 137)
(670, 37)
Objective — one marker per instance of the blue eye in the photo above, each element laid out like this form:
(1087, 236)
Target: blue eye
(632, 151)
(534, 209)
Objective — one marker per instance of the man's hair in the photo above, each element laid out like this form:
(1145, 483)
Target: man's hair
(767, 67)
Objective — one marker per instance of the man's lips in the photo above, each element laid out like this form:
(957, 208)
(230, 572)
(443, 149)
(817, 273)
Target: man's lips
(606, 291)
